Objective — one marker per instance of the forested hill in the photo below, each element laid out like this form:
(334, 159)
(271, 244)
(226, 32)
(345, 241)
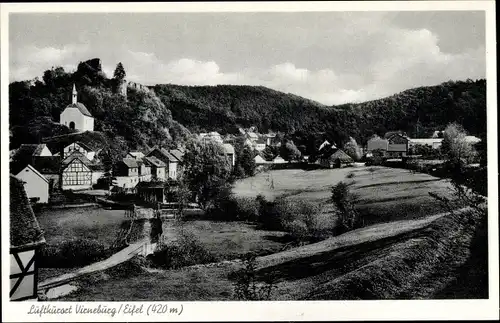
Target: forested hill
(417, 111)
(163, 116)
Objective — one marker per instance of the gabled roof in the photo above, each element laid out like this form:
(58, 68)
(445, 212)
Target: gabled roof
(335, 154)
(153, 161)
(136, 154)
(31, 168)
(171, 158)
(24, 228)
(80, 107)
(177, 154)
(130, 162)
(81, 144)
(76, 155)
(389, 134)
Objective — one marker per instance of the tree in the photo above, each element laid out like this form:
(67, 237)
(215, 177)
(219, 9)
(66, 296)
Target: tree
(119, 73)
(206, 170)
(246, 162)
(352, 149)
(289, 151)
(455, 146)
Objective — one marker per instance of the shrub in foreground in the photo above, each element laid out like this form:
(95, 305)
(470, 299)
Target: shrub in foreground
(73, 253)
(187, 250)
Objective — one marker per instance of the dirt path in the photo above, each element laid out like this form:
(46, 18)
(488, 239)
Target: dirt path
(116, 259)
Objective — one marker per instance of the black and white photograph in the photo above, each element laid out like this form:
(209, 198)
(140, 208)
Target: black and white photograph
(242, 156)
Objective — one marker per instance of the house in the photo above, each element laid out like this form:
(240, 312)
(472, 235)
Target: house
(144, 170)
(214, 136)
(434, 143)
(80, 147)
(270, 139)
(76, 172)
(157, 168)
(398, 145)
(168, 158)
(252, 136)
(229, 152)
(259, 160)
(260, 144)
(35, 184)
(335, 158)
(126, 173)
(278, 160)
(76, 116)
(26, 239)
(326, 144)
(377, 143)
(179, 154)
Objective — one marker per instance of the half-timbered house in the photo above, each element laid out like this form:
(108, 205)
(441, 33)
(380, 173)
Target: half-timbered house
(76, 172)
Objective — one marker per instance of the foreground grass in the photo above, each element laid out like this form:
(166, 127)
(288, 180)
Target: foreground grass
(90, 223)
(429, 258)
(228, 240)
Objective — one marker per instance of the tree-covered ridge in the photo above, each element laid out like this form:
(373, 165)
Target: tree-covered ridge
(417, 111)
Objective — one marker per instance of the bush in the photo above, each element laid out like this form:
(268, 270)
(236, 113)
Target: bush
(186, 251)
(349, 218)
(247, 209)
(247, 287)
(297, 229)
(73, 253)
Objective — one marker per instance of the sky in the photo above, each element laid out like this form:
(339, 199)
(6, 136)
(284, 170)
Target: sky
(330, 57)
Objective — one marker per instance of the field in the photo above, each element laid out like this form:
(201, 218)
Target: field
(89, 223)
(228, 240)
(384, 194)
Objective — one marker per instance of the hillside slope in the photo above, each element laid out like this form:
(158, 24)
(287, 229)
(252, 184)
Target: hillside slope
(417, 111)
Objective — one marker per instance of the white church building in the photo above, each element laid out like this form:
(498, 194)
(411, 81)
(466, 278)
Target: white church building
(76, 116)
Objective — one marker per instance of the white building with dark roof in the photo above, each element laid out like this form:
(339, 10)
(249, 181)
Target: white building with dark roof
(76, 116)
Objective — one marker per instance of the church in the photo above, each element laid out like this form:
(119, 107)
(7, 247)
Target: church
(76, 116)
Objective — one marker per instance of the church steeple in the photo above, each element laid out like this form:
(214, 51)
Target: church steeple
(74, 100)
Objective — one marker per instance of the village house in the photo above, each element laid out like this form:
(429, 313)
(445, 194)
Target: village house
(434, 143)
(260, 144)
(169, 158)
(229, 153)
(335, 158)
(35, 184)
(26, 239)
(76, 116)
(377, 143)
(398, 145)
(76, 172)
(144, 170)
(126, 173)
(157, 168)
(213, 136)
